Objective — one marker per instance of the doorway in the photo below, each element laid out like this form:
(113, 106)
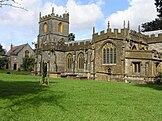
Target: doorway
(15, 66)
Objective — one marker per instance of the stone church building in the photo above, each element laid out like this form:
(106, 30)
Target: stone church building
(16, 54)
(111, 55)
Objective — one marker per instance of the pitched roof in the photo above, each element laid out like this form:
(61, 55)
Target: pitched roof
(16, 49)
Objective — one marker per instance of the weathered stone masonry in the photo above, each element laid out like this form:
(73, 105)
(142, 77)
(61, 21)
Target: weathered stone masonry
(118, 55)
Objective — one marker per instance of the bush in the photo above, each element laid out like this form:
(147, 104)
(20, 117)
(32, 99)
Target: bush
(28, 64)
(159, 78)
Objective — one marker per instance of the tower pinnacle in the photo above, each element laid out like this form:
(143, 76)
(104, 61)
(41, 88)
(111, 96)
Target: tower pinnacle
(52, 10)
(108, 25)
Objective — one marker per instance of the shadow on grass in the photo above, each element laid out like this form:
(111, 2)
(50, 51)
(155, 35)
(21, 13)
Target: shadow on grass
(18, 88)
(152, 86)
(28, 94)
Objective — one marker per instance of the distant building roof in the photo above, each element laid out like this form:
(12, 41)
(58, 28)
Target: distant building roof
(16, 49)
(77, 41)
(153, 32)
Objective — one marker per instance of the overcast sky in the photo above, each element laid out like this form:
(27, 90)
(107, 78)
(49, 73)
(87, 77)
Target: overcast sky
(18, 26)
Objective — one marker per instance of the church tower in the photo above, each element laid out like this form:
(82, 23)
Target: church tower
(50, 48)
(57, 26)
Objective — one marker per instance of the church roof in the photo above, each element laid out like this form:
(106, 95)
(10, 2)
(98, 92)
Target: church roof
(16, 49)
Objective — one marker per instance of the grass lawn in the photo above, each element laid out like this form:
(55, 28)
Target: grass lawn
(23, 99)
(15, 72)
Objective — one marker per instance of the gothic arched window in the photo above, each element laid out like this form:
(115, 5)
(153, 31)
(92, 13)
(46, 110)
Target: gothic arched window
(114, 55)
(81, 61)
(104, 56)
(109, 54)
(69, 61)
(60, 27)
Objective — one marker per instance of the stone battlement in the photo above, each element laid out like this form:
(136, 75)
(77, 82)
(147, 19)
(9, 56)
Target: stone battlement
(78, 45)
(116, 33)
(64, 17)
(154, 38)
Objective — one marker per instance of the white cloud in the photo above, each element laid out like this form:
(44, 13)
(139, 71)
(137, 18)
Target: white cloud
(140, 11)
(82, 17)
(20, 25)
(17, 18)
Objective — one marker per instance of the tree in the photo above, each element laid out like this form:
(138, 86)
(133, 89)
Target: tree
(71, 37)
(11, 3)
(157, 23)
(28, 63)
(153, 25)
(2, 57)
(158, 4)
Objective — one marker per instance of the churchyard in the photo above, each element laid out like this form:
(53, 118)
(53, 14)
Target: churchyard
(22, 98)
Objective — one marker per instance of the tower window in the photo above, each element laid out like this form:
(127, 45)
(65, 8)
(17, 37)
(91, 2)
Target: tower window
(45, 27)
(60, 27)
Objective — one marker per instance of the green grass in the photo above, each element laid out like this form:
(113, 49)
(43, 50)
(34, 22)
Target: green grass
(23, 99)
(15, 72)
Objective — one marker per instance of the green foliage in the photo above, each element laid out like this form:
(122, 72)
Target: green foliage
(28, 63)
(157, 23)
(2, 62)
(23, 99)
(153, 25)
(71, 37)
(2, 57)
(2, 51)
(158, 4)
(159, 78)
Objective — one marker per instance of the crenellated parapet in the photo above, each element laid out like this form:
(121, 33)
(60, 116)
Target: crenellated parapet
(78, 45)
(64, 17)
(154, 38)
(115, 34)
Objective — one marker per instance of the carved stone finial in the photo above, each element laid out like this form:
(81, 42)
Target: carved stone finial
(93, 30)
(139, 29)
(128, 24)
(39, 15)
(124, 24)
(52, 10)
(108, 26)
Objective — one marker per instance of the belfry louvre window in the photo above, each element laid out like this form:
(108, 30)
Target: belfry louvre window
(69, 61)
(45, 27)
(81, 61)
(109, 55)
(136, 67)
(60, 27)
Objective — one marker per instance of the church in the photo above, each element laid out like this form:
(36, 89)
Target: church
(112, 55)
